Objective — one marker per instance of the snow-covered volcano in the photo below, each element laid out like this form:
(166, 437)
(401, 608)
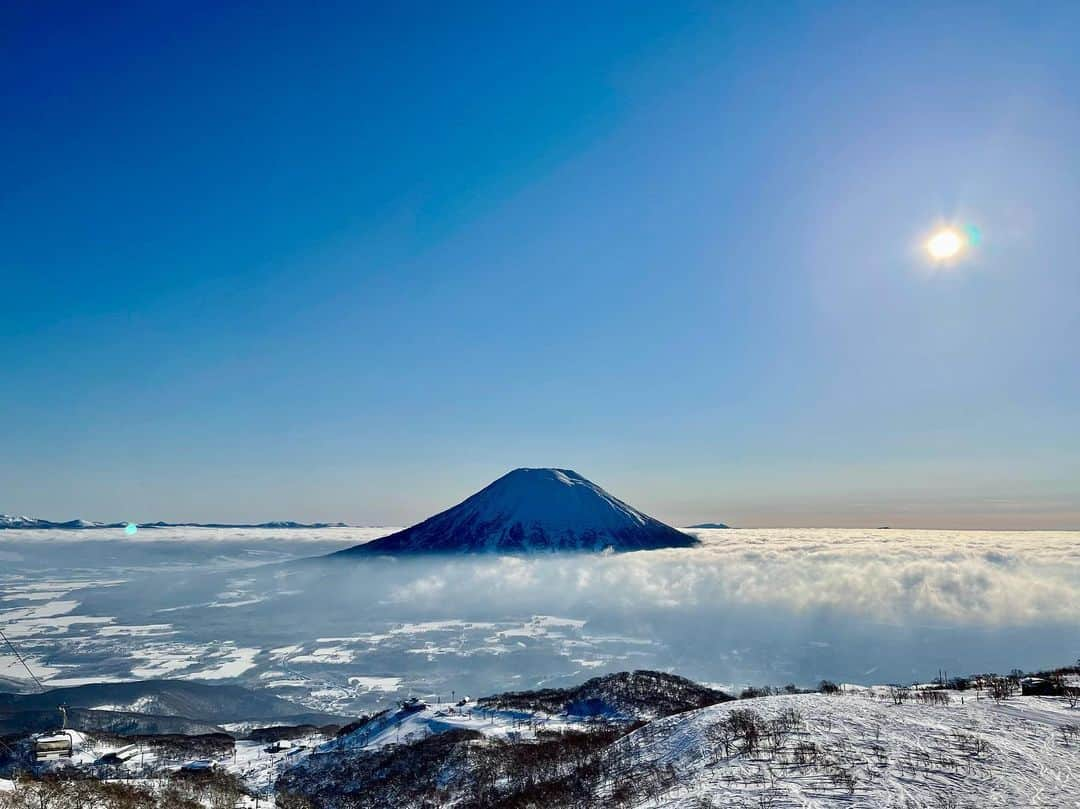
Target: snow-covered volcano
(530, 511)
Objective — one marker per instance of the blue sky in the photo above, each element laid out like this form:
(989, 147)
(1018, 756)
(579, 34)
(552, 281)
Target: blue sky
(353, 262)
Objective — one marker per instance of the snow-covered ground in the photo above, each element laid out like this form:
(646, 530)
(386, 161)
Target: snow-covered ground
(852, 750)
(858, 749)
(257, 764)
(868, 752)
(402, 725)
(958, 750)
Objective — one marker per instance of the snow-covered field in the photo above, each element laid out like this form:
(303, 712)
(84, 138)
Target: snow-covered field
(747, 606)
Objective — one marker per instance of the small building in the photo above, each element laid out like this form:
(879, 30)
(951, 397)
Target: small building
(120, 756)
(198, 766)
(1049, 686)
(52, 747)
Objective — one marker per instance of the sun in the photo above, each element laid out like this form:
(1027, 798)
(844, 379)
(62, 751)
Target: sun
(945, 244)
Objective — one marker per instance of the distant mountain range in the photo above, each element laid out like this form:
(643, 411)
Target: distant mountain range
(151, 706)
(709, 525)
(532, 511)
(11, 521)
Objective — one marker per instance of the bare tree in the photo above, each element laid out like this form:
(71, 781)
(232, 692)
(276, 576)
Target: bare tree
(721, 735)
(899, 694)
(1001, 688)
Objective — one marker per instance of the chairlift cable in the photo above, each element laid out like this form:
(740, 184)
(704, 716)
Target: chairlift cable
(22, 660)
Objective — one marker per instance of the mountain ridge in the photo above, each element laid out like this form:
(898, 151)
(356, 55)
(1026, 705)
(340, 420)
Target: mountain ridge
(13, 521)
(186, 699)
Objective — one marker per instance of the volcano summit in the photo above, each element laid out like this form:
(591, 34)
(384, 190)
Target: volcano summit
(532, 511)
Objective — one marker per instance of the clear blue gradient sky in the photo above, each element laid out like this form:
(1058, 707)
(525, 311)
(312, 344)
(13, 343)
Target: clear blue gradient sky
(354, 261)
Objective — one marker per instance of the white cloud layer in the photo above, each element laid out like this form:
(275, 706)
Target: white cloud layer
(747, 605)
(980, 578)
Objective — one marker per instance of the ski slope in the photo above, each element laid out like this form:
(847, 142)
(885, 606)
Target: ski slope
(870, 753)
(404, 725)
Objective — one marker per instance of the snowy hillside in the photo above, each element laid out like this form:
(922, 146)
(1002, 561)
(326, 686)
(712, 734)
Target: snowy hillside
(859, 750)
(636, 740)
(533, 510)
(621, 699)
(624, 696)
(958, 751)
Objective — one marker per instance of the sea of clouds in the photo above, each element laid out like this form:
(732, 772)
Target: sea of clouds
(747, 605)
(951, 577)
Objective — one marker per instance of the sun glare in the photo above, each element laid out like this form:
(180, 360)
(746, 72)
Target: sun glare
(945, 244)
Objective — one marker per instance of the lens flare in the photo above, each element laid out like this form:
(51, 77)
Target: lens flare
(131, 529)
